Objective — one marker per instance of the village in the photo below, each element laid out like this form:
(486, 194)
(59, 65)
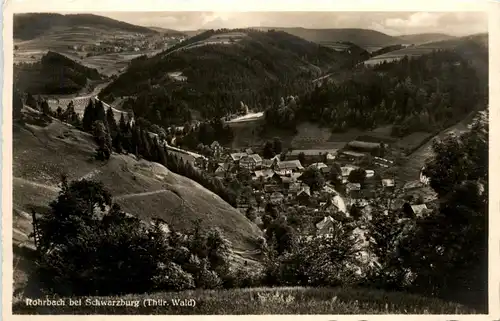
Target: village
(337, 183)
(128, 43)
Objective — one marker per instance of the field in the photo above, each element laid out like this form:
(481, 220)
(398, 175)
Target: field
(43, 150)
(411, 51)
(291, 300)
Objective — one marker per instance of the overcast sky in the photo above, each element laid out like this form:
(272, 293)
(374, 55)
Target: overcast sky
(392, 23)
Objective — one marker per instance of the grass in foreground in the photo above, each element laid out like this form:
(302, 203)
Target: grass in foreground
(291, 300)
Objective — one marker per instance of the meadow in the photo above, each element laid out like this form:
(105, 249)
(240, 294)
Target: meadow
(282, 300)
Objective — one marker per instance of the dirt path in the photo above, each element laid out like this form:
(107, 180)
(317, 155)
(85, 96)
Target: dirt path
(45, 186)
(411, 169)
(121, 197)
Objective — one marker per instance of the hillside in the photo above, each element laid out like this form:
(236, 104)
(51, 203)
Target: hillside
(169, 32)
(142, 188)
(54, 74)
(28, 26)
(421, 38)
(473, 47)
(210, 74)
(364, 38)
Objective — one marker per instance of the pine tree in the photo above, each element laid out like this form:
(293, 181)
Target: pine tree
(110, 118)
(31, 101)
(100, 113)
(17, 105)
(122, 124)
(45, 108)
(88, 116)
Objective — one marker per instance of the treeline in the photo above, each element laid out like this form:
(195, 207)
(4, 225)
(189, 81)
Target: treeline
(414, 94)
(54, 74)
(256, 70)
(87, 245)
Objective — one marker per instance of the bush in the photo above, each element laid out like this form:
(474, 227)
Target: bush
(173, 277)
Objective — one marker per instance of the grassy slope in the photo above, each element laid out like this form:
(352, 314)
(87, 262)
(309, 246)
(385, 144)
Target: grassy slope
(473, 47)
(42, 154)
(293, 300)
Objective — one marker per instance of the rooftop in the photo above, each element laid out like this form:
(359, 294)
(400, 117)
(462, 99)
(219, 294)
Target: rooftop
(312, 152)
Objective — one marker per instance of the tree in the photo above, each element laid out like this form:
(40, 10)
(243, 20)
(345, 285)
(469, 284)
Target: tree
(103, 140)
(80, 237)
(88, 116)
(251, 214)
(110, 119)
(302, 158)
(268, 151)
(313, 178)
(100, 113)
(357, 176)
(45, 108)
(448, 249)
(277, 145)
(17, 104)
(122, 124)
(31, 101)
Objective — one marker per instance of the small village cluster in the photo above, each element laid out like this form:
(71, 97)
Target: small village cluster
(278, 180)
(127, 43)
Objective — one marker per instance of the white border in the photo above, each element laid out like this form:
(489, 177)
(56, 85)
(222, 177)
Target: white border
(493, 8)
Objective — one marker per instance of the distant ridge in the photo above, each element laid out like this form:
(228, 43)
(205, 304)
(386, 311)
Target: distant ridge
(28, 26)
(422, 38)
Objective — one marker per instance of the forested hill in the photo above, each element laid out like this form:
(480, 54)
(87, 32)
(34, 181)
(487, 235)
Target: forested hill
(28, 26)
(222, 69)
(424, 94)
(54, 74)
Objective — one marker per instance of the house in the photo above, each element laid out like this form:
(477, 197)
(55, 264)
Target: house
(363, 146)
(318, 166)
(353, 189)
(352, 156)
(294, 188)
(336, 204)
(222, 169)
(304, 195)
(271, 163)
(251, 162)
(388, 184)
(329, 190)
(271, 188)
(201, 162)
(382, 161)
(276, 197)
(216, 148)
(419, 209)
(235, 157)
(313, 155)
(249, 151)
(326, 226)
(293, 165)
(346, 170)
(266, 174)
(411, 185)
(369, 173)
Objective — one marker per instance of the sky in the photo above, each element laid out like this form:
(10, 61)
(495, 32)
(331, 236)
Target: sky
(391, 23)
